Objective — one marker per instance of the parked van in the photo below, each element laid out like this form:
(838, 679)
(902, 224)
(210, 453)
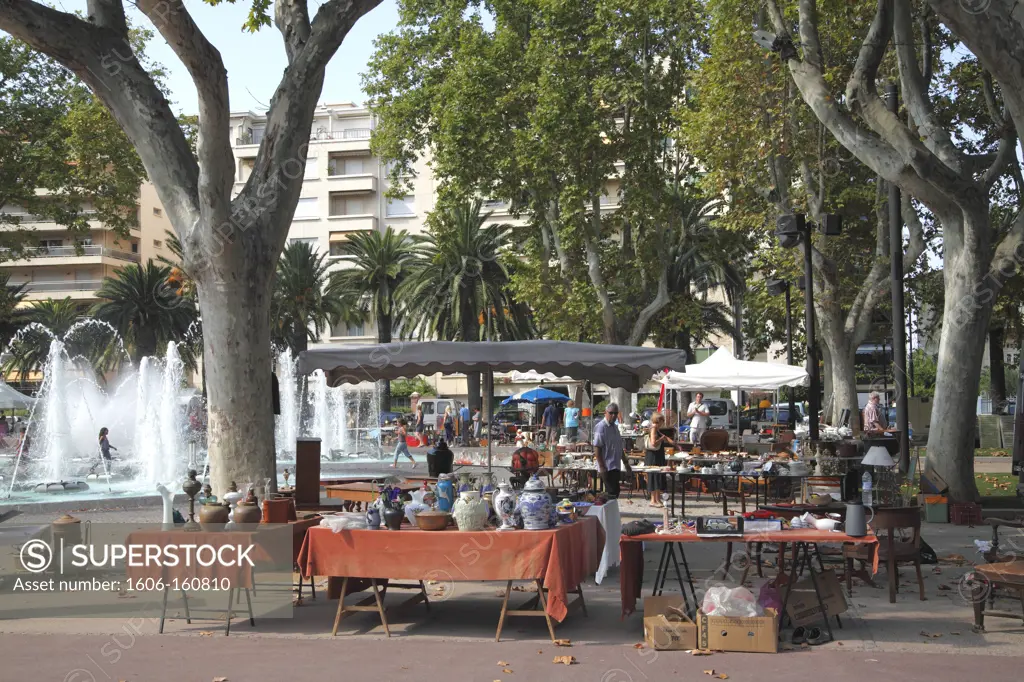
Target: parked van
(433, 411)
(723, 413)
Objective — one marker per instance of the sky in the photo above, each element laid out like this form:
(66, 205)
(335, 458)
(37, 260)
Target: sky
(255, 62)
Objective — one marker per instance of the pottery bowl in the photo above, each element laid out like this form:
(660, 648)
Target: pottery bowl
(432, 520)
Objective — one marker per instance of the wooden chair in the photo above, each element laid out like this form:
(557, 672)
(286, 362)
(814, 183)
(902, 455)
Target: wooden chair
(892, 550)
(999, 554)
(714, 440)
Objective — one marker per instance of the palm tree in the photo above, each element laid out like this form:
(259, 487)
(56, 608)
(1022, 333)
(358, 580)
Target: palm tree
(146, 308)
(44, 321)
(306, 299)
(460, 291)
(12, 312)
(381, 262)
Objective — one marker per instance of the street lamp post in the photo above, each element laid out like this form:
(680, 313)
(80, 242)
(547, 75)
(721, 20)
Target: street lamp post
(792, 229)
(776, 287)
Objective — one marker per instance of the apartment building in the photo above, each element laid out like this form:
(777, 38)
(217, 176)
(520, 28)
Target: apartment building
(64, 265)
(343, 188)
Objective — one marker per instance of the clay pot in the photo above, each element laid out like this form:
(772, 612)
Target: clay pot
(213, 516)
(248, 511)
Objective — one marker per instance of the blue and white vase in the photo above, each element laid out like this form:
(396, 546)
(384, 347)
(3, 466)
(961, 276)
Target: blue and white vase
(373, 518)
(535, 505)
(445, 493)
(505, 506)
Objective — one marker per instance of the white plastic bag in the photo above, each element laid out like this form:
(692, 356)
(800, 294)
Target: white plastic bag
(731, 602)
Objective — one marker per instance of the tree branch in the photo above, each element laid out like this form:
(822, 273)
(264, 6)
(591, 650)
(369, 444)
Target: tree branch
(292, 19)
(915, 91)
(204, 64)
(595, 274)
(108, 14)
(101, 58)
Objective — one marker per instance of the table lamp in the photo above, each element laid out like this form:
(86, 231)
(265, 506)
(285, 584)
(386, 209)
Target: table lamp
(878, 456)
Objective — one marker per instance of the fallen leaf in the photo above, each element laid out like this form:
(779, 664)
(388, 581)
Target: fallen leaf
(205, 633)
(220, 679)
(933, 635)
(709, 672)
(506, 670)
(638, 645)
(540, 651)
(700, 652)
(502, 664)
(954, 633)
(722, 676)
(839, 643)
(563, 642)
(565, 660)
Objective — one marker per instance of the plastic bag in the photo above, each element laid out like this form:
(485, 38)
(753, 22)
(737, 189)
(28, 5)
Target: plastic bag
(731, 602)
(769, 598)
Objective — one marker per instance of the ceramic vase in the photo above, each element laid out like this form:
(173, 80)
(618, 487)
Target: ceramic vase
(214, 516)
(470, 511)
(486, 482)
(505, 506)
(412, 509)
(373, 518)
(393, 518)
(535, 505)
(445, 493)
(465, 483)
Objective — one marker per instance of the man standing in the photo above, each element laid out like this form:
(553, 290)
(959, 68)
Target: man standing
(476, 423)
(464, 424)
(699, 417)
(549, 422)
(608, 451)
(872, 414)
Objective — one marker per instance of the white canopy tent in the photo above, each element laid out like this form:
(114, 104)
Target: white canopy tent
(12, 398)
(722, 370)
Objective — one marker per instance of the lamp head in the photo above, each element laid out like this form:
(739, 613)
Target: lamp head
(776, 286)
(877, 456)
(790, 229)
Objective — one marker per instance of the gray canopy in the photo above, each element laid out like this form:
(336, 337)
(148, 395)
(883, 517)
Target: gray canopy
(628, 367)
(11, 398)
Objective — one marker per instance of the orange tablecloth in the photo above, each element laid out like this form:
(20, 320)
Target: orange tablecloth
(561, 557)
(238, 576)
(631, 572)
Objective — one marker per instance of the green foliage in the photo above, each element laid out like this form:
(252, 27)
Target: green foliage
(12, 312)
(557, 109)
(58, 319)
(403, 388)
(259, 14)
(460, 278)
(925, 367)
(306, 299)
(380, 264)
(146, 307)
(65, 158)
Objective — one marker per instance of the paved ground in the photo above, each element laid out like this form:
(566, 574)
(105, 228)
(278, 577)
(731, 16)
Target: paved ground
(880, 639)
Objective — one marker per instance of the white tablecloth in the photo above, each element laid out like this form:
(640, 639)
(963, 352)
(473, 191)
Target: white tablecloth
(611, 521)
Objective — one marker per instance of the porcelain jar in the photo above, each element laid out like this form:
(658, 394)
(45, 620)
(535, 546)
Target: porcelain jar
(373, 518)
(505, 506)
(470, 511)
(393, 518)
(486, 482)
(535, 505)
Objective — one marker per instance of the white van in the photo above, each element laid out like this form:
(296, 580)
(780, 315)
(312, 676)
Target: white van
(722, 411)
(433, 412)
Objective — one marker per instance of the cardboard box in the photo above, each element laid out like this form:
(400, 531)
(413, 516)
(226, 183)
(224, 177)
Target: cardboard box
(666, 625)
(932, 484)
(751, 635)
(803, 608)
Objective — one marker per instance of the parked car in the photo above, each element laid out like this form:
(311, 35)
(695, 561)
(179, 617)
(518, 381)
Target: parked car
(387, 418)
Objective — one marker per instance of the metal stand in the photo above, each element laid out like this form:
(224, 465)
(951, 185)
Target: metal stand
(668, 555)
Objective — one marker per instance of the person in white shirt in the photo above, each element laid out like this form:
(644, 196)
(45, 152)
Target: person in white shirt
(699, 416)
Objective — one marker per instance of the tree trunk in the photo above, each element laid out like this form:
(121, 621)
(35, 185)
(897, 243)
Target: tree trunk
(840, 353)
(965, 321)
(145, 343)
(997, 371)
(384, 336)
(624, 400)
(238, 355)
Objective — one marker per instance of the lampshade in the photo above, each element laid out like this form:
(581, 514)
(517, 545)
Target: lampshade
(877, 456)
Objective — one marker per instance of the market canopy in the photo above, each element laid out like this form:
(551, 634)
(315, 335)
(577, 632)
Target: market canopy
(722, 370)
(628, 367)
(535, 395)
(532, 377)
(13, 399)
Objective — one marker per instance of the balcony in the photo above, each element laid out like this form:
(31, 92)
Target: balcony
(352, 223)
(84, 254)
(75, 289)
(363, 183)
(349, 139)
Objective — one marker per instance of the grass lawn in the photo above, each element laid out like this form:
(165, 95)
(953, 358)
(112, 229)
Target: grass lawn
(993, 452)
(996, 485)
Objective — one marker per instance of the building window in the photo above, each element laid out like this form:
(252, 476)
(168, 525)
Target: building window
(342, 205)
(158, 211)
(257, 134)
(312, 241)
(307, 208)
(157, 243)
(401, 207)
(343, 329)
(50, 243)
(135, 247)
(84, 241)
(311, 172)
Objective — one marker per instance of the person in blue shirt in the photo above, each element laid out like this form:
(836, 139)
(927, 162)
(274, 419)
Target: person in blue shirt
(464, 422)
(549, 422)
(572, 420)
(609, 452)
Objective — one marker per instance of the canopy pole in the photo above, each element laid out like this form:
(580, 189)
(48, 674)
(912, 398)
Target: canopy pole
(489, 397)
